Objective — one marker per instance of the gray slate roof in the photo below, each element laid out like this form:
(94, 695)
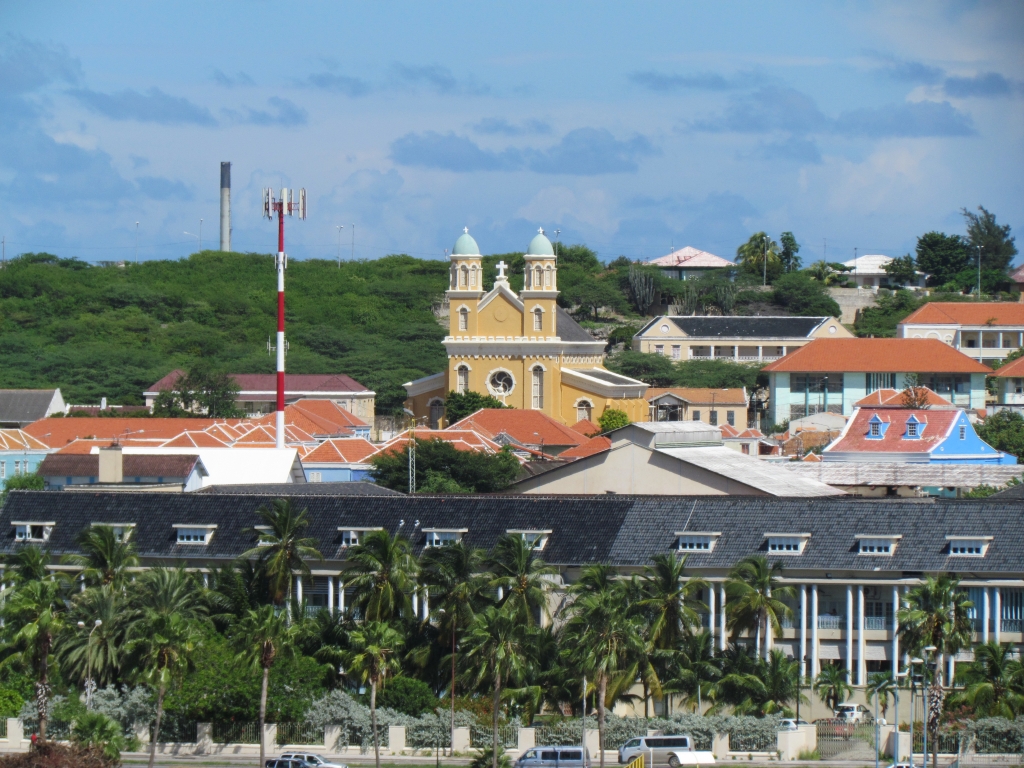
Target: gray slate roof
(23, 406)
(568, 329)
(745, 327)
(620, 530)
(356, 488)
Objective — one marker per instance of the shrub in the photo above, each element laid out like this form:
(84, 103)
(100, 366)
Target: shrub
(612, 418)
(54, 755)
(94, 729)
(801, 295)
(11, 703)
(407, 695)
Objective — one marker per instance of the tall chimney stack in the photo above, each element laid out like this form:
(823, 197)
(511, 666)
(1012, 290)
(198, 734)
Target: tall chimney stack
(225, 206)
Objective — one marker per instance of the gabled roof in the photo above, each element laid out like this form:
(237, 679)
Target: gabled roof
(463, 439)
(526, 427)
(267, 382)
(700, 395)
(589, 448)
(893, 398)
(693, 258)
(23, 406)
(876, 356)
(1014, 368)
(195, 439)
(869, 264)
(585, 427)
(568, 329)
(967, 313)
(750, 433)
(57, 432)
(20, 440)
(168, 466)
(935, 426)
(751, 327)
(353, 450)
(1018, 274)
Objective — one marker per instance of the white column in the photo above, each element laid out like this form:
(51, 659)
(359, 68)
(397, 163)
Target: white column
(415, 604)
(895, 631)
(951, 671)
(803, 630)
(206, 579)
(849, 633)
(997, 609)
(722, 637)
(862, 665)
(814, 630)
(298, 589)
(984, 615)
(711, 616)
(330, 595)
(341, 596)
(760, 353)
(426, 606)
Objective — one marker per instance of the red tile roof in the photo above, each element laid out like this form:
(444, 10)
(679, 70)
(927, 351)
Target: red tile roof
(316, 417)
(267, 382)
(193, 439)
(586, 427)
(462, 439)
(894, 398)
(877, 356)
(937, 425)
(1014, 368)
(750, 433)
(352, 450)
(526, 427)
(691, 257)
(593, 445)
(57, 432)
(967, 313)
(19, 440)
(700, 395)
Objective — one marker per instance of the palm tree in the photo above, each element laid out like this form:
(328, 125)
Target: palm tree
(498, 654)
(28, 564)
(37, 612)
(832, 685)
(754, 589)
(752, 253)
(373, 658)
(167, 591)
(993, 682)
(694, 671)
(263, 637)
(95, 651)
(937, 614)
(281, 548)
(601, 639)
(780, 677)
(881, 685)
(105, 559)
(237, 589)
(324, 636)
(522, 577)
(672, 599)
(382, 571)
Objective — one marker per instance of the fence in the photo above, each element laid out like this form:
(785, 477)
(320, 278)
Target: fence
(847, 741)
(174, 731)
(481, 737)
(949, 743)
(763, 741)
(831, 622)
(236, 733)
(431, 735)
(3, 727)
(299, 733)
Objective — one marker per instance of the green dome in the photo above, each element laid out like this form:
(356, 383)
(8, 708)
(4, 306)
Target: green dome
(465, 245)
(540, 246)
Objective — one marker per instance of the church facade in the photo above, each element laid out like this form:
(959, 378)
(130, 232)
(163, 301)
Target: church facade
(522, 349)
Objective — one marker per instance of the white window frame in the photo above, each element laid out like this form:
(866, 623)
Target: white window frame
(787, 543)
(537, 539)
(463, 319)
(126, 529)
(316, 477)
(969, 546)
(537, 387)
(877, 545)
(462, 378)
(444, 537)
(538, 319)
(584, 410)
(193, 529)
(696, 541)
(352, 535)
(23, 531)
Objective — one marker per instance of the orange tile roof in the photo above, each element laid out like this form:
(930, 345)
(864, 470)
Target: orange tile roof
(85, 445)
(593, 445)
(195, 439)
(1013, 368)
(812, 457)
(352, 450)
(462, 439)
(526, 427)
(700, 395)
(877, 356)
(57, 432)
(894, 397)
(967, 313)
(19, 440)
(586, 427)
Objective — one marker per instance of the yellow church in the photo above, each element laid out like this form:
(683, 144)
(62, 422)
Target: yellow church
(522, 349)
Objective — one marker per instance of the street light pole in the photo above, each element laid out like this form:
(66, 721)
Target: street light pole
(978, 294)
(913, 686)
(90, 686)
(339, 228)
(765, 260)
(929, 651)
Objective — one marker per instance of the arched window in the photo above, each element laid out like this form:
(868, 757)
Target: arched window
(538, 278)
(436, 413)
(462, 379)
(548, 274)
(538, 319)
(463, 277)
(584, 410)
(472, 277)
(463, 319)
(538, 388)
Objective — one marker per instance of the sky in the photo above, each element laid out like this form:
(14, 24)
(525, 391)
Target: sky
(635, 128)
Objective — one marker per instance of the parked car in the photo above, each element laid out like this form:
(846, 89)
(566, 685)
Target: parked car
(656, 748)
(312, 760)
(791, 723)
(554, 757)
(853, 713)
(677, 759)
(285, 763)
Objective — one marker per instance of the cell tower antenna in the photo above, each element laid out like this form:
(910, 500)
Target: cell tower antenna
(286, 205)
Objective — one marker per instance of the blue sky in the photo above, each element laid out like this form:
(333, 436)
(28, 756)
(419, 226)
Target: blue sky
(633, 127)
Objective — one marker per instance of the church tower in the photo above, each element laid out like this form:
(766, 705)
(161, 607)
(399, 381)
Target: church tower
(540, 289)
(465, 286)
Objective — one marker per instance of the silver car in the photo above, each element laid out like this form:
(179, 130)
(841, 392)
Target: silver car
(312, 760)
(554, 757)
(658, 749)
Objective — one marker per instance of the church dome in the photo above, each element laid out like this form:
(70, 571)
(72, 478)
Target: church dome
(540, 246)
(465, 245)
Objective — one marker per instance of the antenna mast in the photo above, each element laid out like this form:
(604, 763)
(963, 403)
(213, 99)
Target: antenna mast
(285, 206)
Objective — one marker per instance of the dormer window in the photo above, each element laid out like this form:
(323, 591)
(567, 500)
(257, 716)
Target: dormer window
(870, 544)
(915, 428)
(535, 539)
(195, 534)
(353, 537)
(444, 537)
(968, 546)
(876, 428)
(122, 531)
(32, 532)
(787, 543)
(695, 541)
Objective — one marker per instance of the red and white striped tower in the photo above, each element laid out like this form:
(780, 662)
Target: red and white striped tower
(285, 206)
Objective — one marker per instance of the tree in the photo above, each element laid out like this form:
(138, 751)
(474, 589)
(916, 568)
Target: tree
(498, 654)
(654, 370)
(881, 320)
(282, 550)
(881, 685)
(1004, 431)
(753, 254)
(942, 257)
(993, 682)
(28, 564)
(263, 637)
(997, 246)
(90, 651)
(591, 294)
(472, 471)
(913, 395)
(671, 598)
(105, 558)
(382, 570)
(754, 590)
(409, 696)
(36, 611)
(522, 576)
(779, 679)
(828, 272)
(642, 287)
(694, 671)
(32, 482)
(788, 253)
(718, 374)
(937, 614)
(902, 270)
(200, 390)
(832, 685)
(612, 418)
(459, 405)
(93, 729)
(801, 295)
(373, 659)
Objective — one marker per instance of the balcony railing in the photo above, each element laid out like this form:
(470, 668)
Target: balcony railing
(831, 622)
(1012, 625)
(876, 622)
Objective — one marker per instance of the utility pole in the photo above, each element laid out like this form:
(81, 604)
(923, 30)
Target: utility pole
(557, 233)
(765, 260)
(412, 457)
(136, 242)
(979, 274)
(285, 206)
(339, 228)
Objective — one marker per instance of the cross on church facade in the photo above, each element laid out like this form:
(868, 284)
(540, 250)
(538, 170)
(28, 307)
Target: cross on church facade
(502, 266)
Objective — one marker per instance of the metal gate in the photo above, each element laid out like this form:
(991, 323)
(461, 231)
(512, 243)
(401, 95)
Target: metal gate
(842, 740)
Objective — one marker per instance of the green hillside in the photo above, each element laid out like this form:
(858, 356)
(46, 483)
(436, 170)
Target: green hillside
(112, 331)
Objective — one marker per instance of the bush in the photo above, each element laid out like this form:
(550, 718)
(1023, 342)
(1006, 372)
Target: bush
(460, 405)
(94, 729)
(801, 295)
(11, 703)
(486, 758)
(1004, 431)
(407, 695)
(54, 755)
(612, 418)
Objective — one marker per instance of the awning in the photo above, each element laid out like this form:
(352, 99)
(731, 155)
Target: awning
(788, 649)
(828, 652)
(876, 652)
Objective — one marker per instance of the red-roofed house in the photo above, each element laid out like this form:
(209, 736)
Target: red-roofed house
(339, 461)
(589, 448)
(831, 375)
(463, 439)
(912, 436)
(689, 263)
(749, 441)
(984, 330)
(586, 427)
(321, 419)
(1010, 386)
(892, 398)
(259, 391)
(530, 429)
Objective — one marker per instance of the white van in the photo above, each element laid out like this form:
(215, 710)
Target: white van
(849, 712)
(554, 757)
(656, 748)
